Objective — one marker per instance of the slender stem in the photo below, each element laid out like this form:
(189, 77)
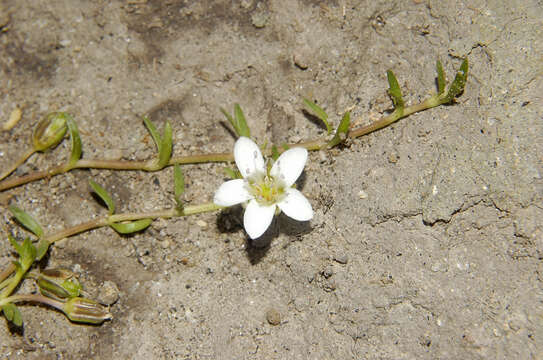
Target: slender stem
(12, 284)
(312, 145)
(105, 221)
(395, 116)
(32, 298)
(17, 163)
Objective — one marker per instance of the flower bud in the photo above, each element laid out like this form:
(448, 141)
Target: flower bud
(58, 283)
(84, 310)
(50, 131)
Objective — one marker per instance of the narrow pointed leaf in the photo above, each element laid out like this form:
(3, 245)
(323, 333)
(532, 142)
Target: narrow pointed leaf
(27, 221)
(28, 254)
(165, 150)
(342, 130)
(15, 244)
(320, 113)
(243, 129)
(178, 182)
(441, 82)
(104, 195)
(131, 227)
(230, 120)
(12, 314)
(154, 133)
(75, 141)
(457, 86)
(394, 90)
(41, 250)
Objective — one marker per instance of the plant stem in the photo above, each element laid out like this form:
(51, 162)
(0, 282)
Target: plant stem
(32, 298)
(17, 163)
(105, 221)
(312, 145)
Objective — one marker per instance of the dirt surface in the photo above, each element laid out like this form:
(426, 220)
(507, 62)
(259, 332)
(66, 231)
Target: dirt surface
(427, 238)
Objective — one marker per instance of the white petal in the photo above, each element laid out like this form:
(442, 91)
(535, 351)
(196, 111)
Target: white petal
(248, 157)
(231, 193)
(296, 206)
(257, 218)
(290, 165)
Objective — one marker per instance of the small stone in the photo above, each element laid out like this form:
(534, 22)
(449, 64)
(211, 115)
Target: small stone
(273, 316)
(201, 223)
(362, 194)
(342, 258)
(259, 19)
(328, 272)
(108, 294)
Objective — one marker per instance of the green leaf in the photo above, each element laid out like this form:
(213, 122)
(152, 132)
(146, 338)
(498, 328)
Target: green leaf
(41, 250)
(15, 244)
(238, 122)
(131, 227)
(342, 130)
(394, 90)
(178, 183)
(154, 133)
(440, 78)
(457, 86)
(28, 254)
(12, 314)
(104, 195)
(165, 150)
(75, 141)
(320, 113)
(27, 221)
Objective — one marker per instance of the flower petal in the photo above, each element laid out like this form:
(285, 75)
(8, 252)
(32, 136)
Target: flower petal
(257, 218)
(296, 206)
(231, 193)
(290, 165)
(248, 157)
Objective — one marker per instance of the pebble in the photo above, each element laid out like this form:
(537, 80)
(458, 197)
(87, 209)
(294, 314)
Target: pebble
(362, 194)
(108, 294)
(201, 223)
(273, 316)
(342, 258)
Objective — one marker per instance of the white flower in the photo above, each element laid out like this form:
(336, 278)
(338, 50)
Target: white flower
(265, 189)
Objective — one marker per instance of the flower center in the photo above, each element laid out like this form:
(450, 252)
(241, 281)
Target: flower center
(266, 189)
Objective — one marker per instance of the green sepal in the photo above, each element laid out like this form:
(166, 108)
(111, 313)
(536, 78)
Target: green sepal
(41, 250)
(165, 150)
(104, 195)
(231, 173)
(238, 122)
(73, 287)
(441, 82)
(342, 130)
(75, 141)
(27, 221)
(131, 227)
(12, 314)
(457, 86)
(178, 184)
(319, 113)
(274, 153)
(394, 90)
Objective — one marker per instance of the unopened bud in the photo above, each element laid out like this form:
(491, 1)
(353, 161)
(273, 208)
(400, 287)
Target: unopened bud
(84, 310)
(58, 283)
(50, 131)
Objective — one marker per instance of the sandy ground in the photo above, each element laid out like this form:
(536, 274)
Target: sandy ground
(427, 238)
